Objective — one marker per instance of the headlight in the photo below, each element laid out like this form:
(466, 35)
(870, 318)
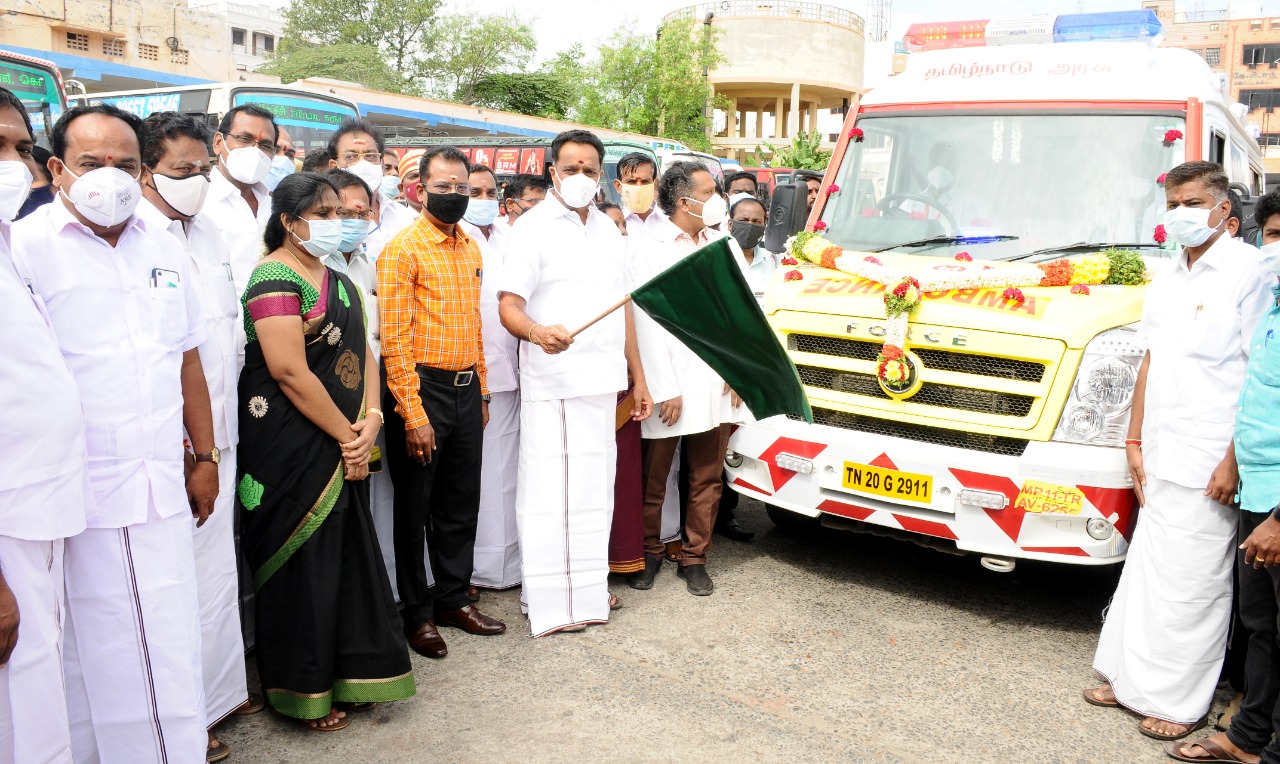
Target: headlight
(1097, 411)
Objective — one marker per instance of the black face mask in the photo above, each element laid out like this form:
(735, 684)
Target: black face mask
(747, 234)
(447, 208)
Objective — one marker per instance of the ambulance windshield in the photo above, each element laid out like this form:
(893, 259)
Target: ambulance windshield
(1001, 185)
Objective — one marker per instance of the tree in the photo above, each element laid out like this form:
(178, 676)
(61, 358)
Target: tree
(538, 94)
(467, 50)
(401, 31)
(344, 61)
(804, 153)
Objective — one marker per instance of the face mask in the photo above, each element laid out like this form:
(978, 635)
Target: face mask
(15, 185)
(281, 168)
(1189, 226)
(369, 172)
(481, 212)
(713, 210)
(185, 195)
(747, 234)
(638, 199)
(106, 196)
(248, 165)
(411, 193)
(1271, 257)
(447, 208)
(576, 191)
(354, 232)
(326, 237)
(390, 186)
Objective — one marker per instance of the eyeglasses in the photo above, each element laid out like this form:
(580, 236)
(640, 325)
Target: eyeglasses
(345, 214)
(247, 140)
(450, 188)
(349, 158)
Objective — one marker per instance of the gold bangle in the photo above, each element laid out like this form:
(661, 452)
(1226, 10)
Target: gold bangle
(535, 326)
(381, 418)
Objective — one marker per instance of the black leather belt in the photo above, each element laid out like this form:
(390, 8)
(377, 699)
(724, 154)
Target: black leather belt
(456, 378)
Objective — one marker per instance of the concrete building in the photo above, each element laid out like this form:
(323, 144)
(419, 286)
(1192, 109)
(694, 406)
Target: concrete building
(786, 63)
(252, 32)
(1243, 47)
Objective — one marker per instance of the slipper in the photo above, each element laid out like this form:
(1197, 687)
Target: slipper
(1157, 736)
(217, 752)
(253, 705)
(1088, 698)
(342, 723)
(614, 602)
(1219, 754)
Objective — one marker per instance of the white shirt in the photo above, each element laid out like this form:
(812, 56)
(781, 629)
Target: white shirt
(393, 217)
(501, 350)
(569, 273)
(123, 316)
(209, 265)
(1197, 325)
(646, 227)
(671, 369)
(364, 275)
(241, 230)
(44, 488)
(759, 270)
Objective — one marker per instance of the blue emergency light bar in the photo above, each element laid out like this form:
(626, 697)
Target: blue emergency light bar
(1111, 26)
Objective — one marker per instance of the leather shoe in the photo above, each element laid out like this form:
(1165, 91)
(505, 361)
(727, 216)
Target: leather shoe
(427, 642)
(471, 621)
(644, 579)
(735, 531)
(697, 580)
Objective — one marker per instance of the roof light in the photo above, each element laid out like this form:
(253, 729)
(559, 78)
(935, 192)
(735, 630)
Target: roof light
(1021, 30)
(945, 34)
(1116, 25)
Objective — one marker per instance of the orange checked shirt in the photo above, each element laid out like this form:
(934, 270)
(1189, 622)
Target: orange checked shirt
(429, 301)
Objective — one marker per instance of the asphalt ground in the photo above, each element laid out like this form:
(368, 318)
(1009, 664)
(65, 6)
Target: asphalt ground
(820, 647)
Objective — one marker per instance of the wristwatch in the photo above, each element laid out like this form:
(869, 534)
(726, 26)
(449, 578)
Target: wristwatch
(214, 456)
(486, 397)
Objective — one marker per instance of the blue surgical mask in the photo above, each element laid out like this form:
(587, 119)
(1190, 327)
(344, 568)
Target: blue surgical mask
(281, 168)
(481, 212)
(390, 186)
(354, 232)
(326, 237)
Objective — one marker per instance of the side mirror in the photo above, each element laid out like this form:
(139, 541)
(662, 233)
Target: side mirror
(788, 209)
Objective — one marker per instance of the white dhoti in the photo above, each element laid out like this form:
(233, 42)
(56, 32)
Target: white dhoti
(33, 701)
(132, 648)
(564, 506)
(218, 594)
(671, 526)
(1162, 644)
(382, 494)
(497, 552)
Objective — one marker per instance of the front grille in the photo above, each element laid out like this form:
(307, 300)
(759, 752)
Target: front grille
(943, 360)
(971, 441)
(931, 394)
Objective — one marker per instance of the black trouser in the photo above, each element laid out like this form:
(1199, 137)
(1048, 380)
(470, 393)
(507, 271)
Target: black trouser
(1259, 591)
(436, 504)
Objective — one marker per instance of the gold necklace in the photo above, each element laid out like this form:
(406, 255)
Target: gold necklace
(306, 272)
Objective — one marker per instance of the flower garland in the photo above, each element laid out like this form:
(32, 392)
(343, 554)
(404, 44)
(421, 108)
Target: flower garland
(905, 292)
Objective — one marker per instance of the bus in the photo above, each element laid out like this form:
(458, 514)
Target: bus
(311, 118)
(38, 84)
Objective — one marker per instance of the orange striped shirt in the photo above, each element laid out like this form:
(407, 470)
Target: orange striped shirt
(429, 303)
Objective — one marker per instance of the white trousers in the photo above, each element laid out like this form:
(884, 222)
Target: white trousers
(33, 699)
(671, 527)
(497, 550)
(1165, 633)
(135, 691)
(564, 507)
(218, 593)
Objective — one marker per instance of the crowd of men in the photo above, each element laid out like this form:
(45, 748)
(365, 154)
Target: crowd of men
(124, 283)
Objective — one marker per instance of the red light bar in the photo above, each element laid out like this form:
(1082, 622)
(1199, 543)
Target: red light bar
(939, 35)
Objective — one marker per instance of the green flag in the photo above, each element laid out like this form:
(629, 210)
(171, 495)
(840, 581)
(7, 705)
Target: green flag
(705, 301)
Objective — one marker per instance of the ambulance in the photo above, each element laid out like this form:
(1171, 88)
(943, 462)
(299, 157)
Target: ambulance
(1004, 140)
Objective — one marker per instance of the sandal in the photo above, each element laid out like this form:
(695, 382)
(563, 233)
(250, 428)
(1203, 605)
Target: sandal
(1092, 699)
(217, 752)
(614, 602)
(1220, 755)
(1160, 736)
(253, 705)
(339, 724)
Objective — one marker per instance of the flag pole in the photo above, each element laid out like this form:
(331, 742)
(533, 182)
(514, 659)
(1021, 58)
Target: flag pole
(593, 321)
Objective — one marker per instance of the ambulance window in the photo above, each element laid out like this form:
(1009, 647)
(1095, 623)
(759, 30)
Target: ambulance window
(1218, 149)
(1255, 186)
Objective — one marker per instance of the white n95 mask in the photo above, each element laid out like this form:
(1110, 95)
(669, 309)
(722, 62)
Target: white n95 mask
(15, 186)
(249, 165)
(106, 196)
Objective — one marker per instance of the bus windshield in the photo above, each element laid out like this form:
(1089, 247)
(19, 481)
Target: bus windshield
(39, 88)
(1001, 185)
(310, 120)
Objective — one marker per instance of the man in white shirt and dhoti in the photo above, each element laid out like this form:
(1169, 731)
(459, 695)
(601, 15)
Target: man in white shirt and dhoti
(1162, 644)
(118, 292)
(44, 491)
(565, 264)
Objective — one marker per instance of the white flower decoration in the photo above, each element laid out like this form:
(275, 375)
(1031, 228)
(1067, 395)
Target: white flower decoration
(258, 406)
(335, 336)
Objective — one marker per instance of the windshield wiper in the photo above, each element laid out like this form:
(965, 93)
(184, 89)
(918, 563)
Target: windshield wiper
(949, 240)
(1079, 245)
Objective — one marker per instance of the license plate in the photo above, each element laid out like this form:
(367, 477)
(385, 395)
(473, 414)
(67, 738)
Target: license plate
(892, 484)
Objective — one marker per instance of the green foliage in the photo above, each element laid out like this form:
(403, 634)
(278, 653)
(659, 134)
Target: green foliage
(804, 153)
(343, 61)
(1127, 267)
(538, 93)
(469, 49)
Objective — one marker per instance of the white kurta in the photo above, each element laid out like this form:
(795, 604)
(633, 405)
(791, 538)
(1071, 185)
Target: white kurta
(240, 227)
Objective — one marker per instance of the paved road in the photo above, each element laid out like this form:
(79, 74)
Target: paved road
(825, 648)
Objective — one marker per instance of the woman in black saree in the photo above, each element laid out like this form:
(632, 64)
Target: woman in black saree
(327, 628)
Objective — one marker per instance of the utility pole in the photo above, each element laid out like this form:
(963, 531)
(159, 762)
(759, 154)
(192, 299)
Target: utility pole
(707, 94)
